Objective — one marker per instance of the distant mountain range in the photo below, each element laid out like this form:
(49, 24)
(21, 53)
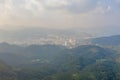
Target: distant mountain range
(110, 40)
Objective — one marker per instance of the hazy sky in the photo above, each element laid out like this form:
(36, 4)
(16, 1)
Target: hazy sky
(15, 14)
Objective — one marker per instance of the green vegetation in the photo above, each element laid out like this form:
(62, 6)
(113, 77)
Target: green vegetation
(6, 72)
(87, 62)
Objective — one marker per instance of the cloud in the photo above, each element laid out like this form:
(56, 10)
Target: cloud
(82, 6)
(37, 7)
(55, 4)
(74, 6)
(59, 13)
(24, 6)
(103, 10)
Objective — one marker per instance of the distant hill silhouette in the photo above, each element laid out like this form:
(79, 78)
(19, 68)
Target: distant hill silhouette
(110, 40)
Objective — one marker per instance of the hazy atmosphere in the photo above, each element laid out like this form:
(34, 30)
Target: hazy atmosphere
(60, 14)
(59, 39)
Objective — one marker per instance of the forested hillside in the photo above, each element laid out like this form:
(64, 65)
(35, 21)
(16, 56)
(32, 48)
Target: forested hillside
(87, 62)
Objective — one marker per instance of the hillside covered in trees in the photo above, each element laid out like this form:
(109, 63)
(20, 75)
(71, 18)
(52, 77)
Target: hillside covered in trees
(51, 62)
